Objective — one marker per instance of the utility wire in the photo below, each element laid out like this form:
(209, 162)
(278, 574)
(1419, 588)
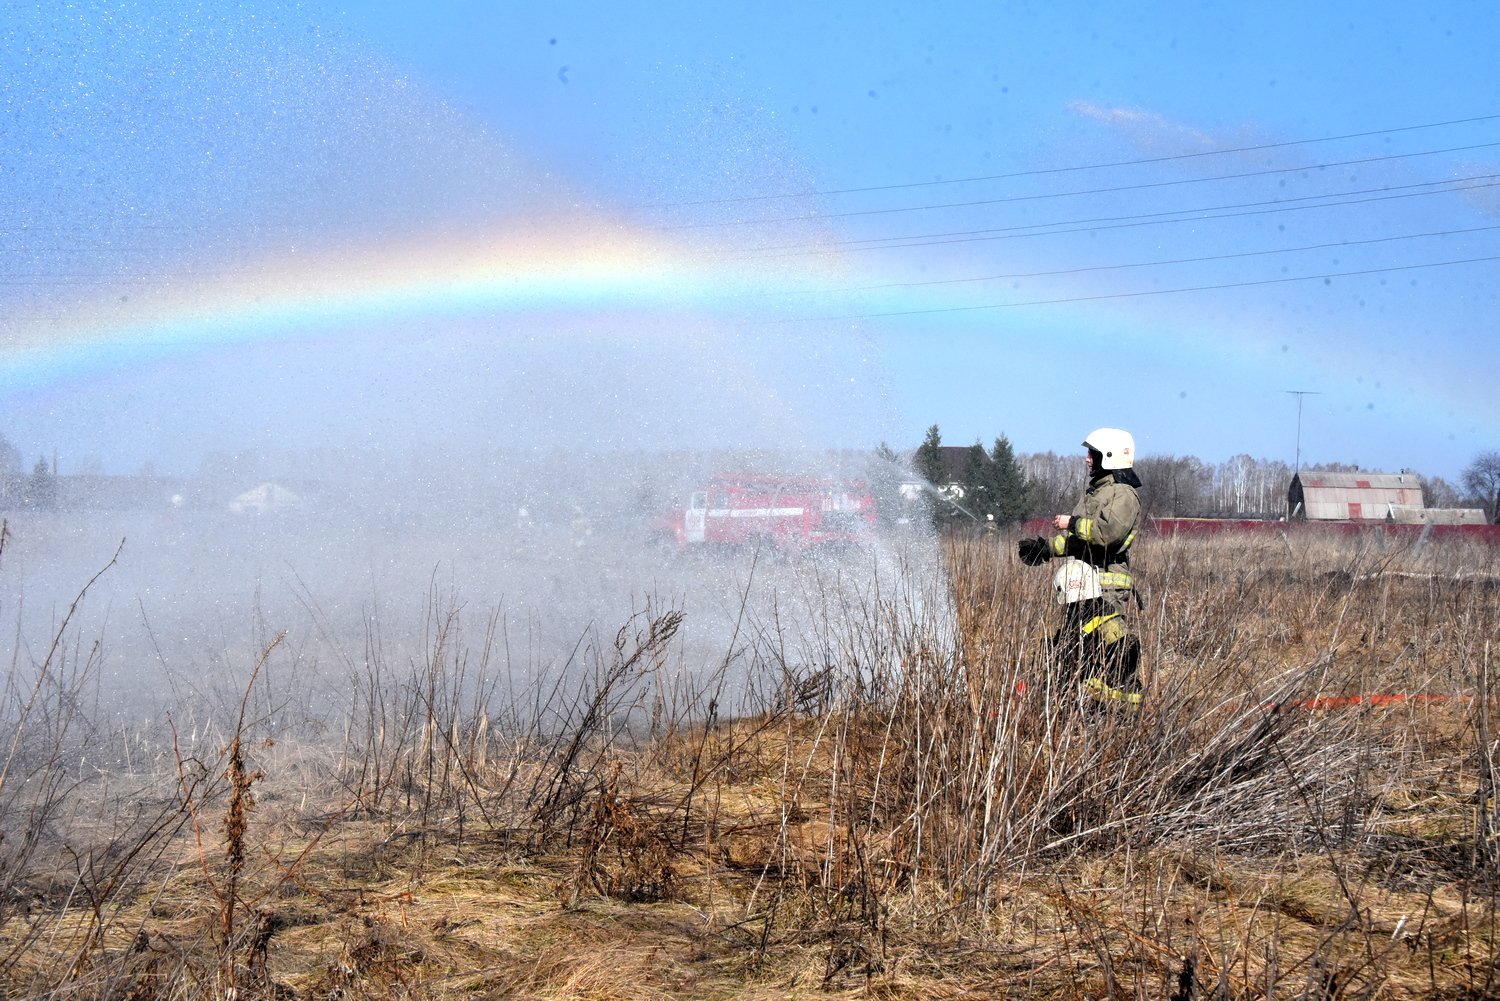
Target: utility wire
(176, 228)
(1140, 264)
(1062, 227)
(939, 206)
(291, 225)
(1113, 222)
(1141, 294)
(1041, 172)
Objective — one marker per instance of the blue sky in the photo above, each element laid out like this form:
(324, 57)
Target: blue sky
(999, 218)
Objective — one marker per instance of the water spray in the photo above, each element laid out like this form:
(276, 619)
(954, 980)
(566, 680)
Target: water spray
(927, 486)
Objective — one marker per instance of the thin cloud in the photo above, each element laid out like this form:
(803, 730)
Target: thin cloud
(1157, 134)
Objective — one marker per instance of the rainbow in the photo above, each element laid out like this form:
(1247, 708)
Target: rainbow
(530, 272)
(592, 267)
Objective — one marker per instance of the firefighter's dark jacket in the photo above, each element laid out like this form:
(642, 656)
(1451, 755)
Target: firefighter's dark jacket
(1103, 526)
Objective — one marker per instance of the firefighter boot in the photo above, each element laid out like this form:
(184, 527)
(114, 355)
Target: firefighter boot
(1118, 681)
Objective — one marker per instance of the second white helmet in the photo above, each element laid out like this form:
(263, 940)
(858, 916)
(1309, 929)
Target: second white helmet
(1115, 447)
(1075, 580)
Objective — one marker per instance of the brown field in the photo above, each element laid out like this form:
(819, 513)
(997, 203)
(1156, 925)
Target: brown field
(892, 819)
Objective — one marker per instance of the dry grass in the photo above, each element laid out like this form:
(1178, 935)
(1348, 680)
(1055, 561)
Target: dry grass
(903, 818)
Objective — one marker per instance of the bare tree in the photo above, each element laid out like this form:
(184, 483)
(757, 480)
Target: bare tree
(1174, 486)
(1056, 480)
(1482, 479)
(1438, 492)
(1250, 488)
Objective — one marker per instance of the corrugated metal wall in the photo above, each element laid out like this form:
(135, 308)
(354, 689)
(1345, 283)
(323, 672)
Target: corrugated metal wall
(1327, 496)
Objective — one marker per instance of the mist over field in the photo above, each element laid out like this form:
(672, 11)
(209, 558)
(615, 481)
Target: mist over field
(533, 564)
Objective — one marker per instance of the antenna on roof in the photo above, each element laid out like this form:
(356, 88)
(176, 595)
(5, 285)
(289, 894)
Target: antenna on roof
(1299, 393)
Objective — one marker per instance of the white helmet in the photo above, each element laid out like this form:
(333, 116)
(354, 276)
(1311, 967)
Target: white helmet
(1116, 447)
(1074, 581)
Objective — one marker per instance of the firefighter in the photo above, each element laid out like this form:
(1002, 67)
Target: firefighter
(1092, 581)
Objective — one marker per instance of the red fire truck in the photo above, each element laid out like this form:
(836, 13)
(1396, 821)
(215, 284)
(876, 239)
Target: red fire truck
(788, 513)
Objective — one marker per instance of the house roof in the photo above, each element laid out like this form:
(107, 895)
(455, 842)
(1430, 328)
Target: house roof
(1331, 479)
(1438, 516)
(1326, 495)
(266, 497)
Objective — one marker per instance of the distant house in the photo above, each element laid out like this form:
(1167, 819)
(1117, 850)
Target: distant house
(1323, 495)
(955, 466)
(268, 498)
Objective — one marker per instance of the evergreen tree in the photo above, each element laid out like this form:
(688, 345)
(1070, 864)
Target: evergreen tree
(928, 461)
(929, 458)
(1013, 496)
(978, 485)
(42, 490)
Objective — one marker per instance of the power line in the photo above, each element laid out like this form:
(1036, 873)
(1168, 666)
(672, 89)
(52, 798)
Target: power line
(1041, 172)
(1141, 294)
(1149, 264)
(1054, 228)
(913, 240)
(1117, 222)
(1144, 186)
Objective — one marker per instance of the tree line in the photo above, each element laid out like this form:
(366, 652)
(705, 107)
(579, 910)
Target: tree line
(999, 486)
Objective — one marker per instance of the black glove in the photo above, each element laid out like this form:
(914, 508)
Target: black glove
(1034, 552)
